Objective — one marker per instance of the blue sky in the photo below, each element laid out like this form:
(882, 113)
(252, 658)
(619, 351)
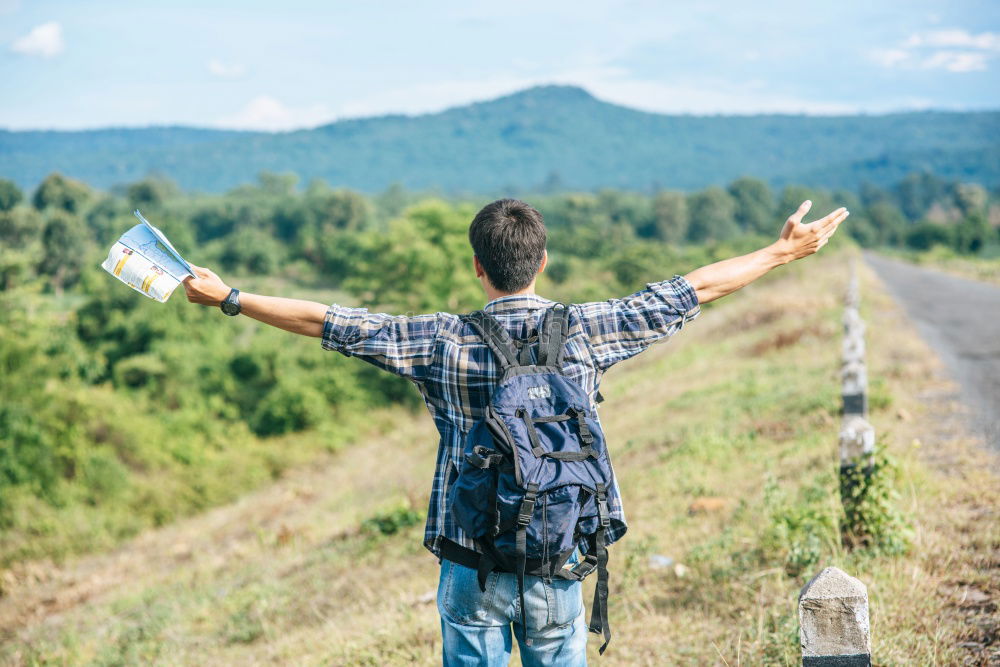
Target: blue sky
(292, 64)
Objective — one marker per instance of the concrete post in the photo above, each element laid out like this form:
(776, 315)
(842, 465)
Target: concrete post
(853, 348)
(854, 388)
(857, 461)
(853, 324)
(857, 441)
(834, 629)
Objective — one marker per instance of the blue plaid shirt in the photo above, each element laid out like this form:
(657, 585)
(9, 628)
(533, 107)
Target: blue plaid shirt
(456, 372)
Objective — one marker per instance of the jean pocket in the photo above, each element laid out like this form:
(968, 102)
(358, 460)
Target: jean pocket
(565, 602)
(460, 598)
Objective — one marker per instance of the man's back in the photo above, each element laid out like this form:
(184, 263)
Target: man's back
(456, 372)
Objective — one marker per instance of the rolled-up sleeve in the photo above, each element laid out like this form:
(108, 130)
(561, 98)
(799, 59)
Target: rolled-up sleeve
(400, 344)
(622, 328)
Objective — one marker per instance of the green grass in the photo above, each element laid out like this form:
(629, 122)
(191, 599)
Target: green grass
(326, 566)
(986, 268)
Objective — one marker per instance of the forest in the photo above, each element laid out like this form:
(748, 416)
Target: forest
(120, 413)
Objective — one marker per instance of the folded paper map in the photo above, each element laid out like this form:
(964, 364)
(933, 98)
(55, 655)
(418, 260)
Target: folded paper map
(146, 261)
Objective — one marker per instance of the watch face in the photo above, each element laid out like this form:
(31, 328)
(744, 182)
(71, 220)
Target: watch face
(230, 308)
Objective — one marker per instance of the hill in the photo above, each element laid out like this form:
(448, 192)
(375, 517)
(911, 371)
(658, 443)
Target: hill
(546, 137)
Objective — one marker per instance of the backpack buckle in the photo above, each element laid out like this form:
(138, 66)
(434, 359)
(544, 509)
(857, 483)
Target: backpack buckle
(527, 511)
(482, 457)
(584, 567)
(602, 510)
(527, 506)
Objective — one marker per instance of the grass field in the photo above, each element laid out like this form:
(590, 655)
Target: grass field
(740, 407)
(968, 266)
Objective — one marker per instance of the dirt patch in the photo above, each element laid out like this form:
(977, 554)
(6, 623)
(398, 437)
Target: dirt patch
(787, 338)
(776, 430)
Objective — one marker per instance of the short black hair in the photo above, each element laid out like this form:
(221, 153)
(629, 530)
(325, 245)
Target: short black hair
(508, 236)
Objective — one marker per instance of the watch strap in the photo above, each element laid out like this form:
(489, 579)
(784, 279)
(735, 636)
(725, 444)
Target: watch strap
(231, 304)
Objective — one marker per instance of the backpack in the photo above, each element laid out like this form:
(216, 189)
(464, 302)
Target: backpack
(535, 479)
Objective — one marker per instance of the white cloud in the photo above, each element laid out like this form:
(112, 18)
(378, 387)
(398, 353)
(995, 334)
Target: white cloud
(950, 49)
(956, 61)
(225, 70)
(44, 41)
(954, 37)
(267, 113)
(890, 57)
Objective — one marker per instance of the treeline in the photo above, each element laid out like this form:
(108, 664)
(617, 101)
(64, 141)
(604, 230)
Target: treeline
(317, 233)
(120, 413)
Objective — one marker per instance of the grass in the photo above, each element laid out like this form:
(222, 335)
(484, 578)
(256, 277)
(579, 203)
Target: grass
(985, 268)
(326, 566)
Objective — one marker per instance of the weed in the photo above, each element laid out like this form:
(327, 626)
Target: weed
(392, 521)
(870, 519)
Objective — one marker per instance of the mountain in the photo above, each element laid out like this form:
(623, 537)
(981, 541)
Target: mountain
(550, 134)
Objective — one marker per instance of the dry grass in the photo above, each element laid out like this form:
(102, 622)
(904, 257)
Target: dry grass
(284, 575)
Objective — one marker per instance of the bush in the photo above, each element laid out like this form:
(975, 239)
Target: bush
(870, 519)
(286, 409)
(392, 521)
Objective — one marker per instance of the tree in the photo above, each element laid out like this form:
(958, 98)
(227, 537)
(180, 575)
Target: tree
(973, 233)
(329, 214)
(713, 213)
(150, 192)
(62, 193)
(670, 215)
(970, 198)
(926, 235)
(64, 239)
(392, 201)
(19, 228)
(422, 264)
(252, 250)
(872, 194)
(10, 195)
(888, 222)
(754, 205)
(582, 224)
(628, 209)
(277, 184)
(917, 192)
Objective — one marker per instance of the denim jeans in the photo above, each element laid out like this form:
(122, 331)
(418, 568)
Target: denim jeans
(476, 625)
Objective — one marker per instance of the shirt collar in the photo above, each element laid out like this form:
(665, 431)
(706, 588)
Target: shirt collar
(516, 302)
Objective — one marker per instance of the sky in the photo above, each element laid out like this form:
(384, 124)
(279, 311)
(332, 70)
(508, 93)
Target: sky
(294, 64)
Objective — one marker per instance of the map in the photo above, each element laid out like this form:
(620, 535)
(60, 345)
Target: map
(147, 262)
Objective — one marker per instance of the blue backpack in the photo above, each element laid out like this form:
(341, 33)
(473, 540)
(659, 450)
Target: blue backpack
(535, 479)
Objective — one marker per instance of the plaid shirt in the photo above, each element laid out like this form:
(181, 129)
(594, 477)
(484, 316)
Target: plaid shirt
(456, 372)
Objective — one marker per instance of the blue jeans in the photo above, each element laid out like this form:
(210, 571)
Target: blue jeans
(476, 625)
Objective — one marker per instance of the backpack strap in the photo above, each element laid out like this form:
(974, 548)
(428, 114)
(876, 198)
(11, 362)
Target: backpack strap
(495, 336)
(521, 546)
(552, 336)
(599, 612)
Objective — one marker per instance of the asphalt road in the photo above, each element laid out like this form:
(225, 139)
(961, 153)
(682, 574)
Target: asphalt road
(960, 320)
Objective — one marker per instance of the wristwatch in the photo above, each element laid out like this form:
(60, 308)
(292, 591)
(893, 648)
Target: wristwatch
(231, 304)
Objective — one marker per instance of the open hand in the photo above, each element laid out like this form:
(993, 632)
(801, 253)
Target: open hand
(800, 239)
(207, 288)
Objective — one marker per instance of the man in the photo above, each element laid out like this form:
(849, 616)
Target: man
(456, 372)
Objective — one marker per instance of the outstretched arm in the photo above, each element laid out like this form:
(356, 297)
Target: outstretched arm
(403, 345)
(797, 240)
(295, 315)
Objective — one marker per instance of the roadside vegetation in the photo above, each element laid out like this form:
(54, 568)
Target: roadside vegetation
(180, 486)
(981, 266)
(725, 444)
(121, 414)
